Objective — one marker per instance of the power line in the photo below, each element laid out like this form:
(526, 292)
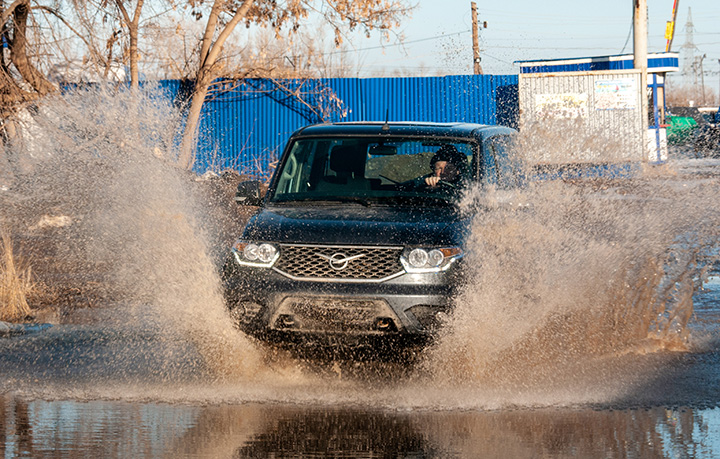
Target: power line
(397, 44)
(632, 24)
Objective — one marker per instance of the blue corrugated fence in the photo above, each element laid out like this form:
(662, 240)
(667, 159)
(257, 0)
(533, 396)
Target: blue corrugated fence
(245, 128)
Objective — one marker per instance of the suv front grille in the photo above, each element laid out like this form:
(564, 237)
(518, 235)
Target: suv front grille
(339, 263)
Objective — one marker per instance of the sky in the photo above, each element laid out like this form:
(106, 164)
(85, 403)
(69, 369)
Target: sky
(438, 38)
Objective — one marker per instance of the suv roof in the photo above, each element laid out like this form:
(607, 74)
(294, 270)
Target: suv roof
(399, 128)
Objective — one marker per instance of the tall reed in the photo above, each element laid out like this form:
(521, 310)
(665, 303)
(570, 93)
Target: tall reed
(15, 282)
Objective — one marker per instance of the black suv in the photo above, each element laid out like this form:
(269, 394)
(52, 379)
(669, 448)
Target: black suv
(352, 242)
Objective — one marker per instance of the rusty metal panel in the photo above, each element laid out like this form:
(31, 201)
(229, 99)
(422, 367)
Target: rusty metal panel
(582, 117)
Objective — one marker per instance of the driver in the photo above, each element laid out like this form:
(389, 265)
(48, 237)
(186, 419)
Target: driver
(449, 167)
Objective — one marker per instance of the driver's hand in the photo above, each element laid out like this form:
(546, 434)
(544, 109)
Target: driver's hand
(432, 181)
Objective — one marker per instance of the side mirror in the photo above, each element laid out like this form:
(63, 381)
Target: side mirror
(249, 194)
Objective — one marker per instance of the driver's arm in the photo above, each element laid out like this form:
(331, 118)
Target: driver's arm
(432, 181)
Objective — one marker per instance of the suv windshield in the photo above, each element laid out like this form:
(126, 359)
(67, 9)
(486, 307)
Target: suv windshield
(372, 169)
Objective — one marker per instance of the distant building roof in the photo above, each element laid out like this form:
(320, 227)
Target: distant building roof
(657, 63)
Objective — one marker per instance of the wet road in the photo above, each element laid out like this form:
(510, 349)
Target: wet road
(133, 381)
(117, 391)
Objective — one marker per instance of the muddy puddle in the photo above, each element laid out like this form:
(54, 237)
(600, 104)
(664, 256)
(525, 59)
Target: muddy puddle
(117, 429)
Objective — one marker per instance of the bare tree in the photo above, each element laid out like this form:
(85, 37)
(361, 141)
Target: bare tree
(38, 37)
(20, 80)
(14, 21)
(132, 25)
(119, 25)
(43, 35)
(87, 41)
(96, 28)
(225, 15)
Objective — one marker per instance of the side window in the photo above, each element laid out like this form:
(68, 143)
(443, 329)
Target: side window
(490, 175)
(505, 170)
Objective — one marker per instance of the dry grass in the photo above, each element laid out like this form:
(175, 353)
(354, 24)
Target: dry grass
(682, 95)
(15, 282)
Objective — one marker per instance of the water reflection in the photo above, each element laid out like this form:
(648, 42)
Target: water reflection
(105, 428)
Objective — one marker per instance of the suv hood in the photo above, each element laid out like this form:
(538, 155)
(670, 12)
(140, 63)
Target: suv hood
(356, 224)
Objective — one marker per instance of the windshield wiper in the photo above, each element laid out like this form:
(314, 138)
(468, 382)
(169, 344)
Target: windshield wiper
(362, 201)
(419, 199)
(318, 199)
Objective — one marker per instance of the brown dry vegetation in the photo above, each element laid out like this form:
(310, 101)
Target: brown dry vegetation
(16, 283)
(682, 96)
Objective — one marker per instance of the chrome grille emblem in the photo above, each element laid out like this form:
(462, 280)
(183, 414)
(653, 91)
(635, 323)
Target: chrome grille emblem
(307, 262)
(338, 261)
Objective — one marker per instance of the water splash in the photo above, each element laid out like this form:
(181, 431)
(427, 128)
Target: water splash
(105, 157)
(582, 271)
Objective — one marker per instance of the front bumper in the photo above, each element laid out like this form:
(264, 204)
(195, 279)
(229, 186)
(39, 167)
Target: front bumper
(273, 307)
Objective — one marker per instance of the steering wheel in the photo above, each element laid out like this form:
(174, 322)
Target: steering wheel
(440, 184)
(451, 185)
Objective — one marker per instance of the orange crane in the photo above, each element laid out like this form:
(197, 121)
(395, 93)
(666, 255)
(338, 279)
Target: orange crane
(670, 27)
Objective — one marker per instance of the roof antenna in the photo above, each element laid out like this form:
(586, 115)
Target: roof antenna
(386, 126)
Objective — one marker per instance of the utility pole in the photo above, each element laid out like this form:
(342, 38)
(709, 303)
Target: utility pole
(702, 78)
(477, 69)
(640, 56)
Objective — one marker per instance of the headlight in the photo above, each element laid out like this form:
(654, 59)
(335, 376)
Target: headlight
(425, 260)
(255, 254)
(418, 258)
